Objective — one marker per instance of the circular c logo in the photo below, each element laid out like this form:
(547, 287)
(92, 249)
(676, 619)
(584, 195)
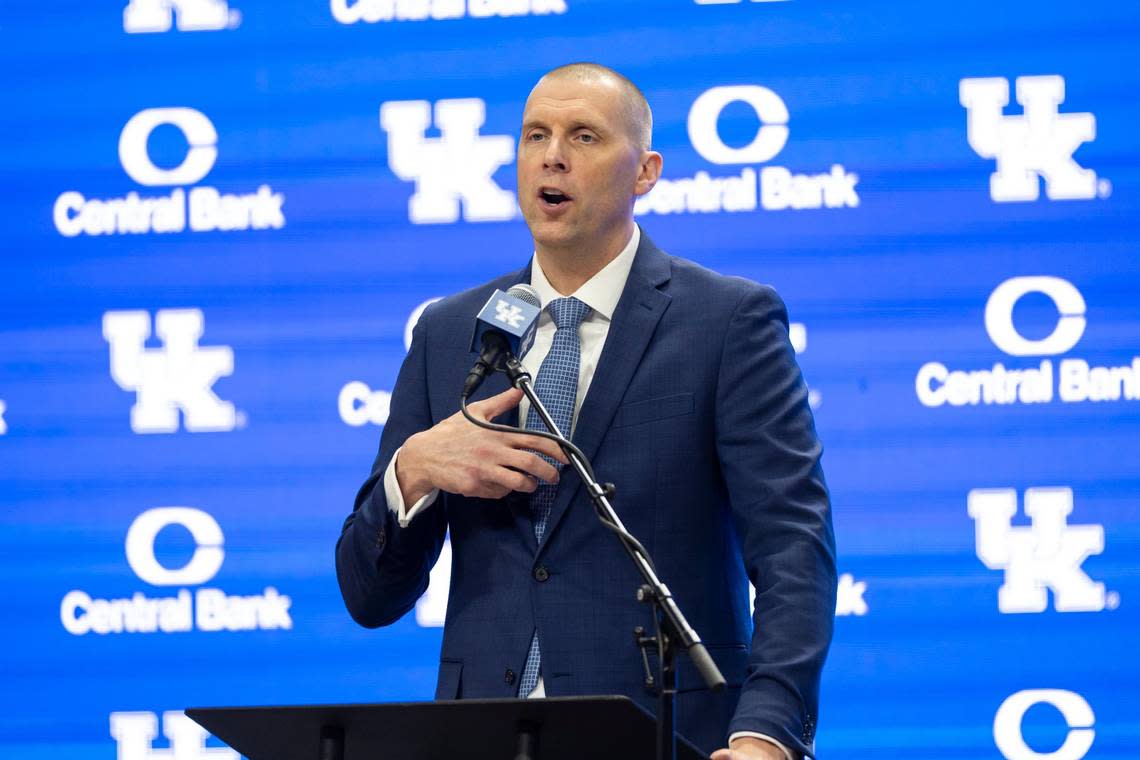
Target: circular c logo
(203, 565)
(1073, 708)
(770, 137)
(1070, 326)
(199, 132)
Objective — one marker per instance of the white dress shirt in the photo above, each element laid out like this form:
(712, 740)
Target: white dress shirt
(601, 293)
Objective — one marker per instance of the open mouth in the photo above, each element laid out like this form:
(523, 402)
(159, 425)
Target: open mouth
(553, 197)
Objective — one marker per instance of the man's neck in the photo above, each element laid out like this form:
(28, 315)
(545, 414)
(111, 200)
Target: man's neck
(567, 269)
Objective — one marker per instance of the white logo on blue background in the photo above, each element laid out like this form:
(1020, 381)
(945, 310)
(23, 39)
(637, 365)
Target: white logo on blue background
(207, 609)
(143, 16)
(359, 405)
(509, 314)
(1074, 709)
(1047, 556)
(201, 209)
(1070, 305)
(174, 381)
(201, 140)
(135, 732)
(1072, 380)
(373, 11)
(208, 541)
(454, 171)
(774, 188)
(1038, 144)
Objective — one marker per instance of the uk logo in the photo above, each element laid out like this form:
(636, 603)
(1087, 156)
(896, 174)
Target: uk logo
(1036, 145)
(453, 171)
(135, 732)
(143, 16)
(178, 378)
(508, 314)
(1041, 558)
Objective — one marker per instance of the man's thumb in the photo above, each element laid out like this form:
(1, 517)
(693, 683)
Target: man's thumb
(491, 408)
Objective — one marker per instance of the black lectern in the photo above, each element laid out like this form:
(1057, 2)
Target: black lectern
(557, 728)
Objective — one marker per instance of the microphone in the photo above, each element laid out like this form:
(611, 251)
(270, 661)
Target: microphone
(504, 326)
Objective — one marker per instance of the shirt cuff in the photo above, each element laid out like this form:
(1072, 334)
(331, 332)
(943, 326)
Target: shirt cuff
(396, 498)
(787, 752)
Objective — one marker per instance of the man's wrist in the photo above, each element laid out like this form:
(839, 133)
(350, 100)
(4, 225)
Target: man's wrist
(760, 744)
(413, 481)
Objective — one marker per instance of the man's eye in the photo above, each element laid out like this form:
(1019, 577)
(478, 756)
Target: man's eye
(535, 136)
(586, 138)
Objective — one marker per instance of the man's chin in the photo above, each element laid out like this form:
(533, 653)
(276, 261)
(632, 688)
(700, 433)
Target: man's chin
(552, 233)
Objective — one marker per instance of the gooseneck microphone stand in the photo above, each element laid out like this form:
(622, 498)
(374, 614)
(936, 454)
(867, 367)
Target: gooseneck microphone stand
(672, 629)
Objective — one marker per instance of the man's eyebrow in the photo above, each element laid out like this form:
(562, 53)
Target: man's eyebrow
(583, 124)
(530, 124)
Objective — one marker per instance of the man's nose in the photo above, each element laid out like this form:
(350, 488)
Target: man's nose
(555, 157)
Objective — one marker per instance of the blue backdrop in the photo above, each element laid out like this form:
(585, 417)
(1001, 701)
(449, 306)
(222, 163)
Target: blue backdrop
(219, 219)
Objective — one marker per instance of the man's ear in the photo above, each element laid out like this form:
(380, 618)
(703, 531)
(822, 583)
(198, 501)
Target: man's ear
(650, 172)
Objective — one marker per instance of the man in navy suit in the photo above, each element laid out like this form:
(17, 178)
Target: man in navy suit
(681, 386)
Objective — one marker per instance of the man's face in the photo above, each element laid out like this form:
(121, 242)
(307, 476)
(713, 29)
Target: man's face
(578, 164)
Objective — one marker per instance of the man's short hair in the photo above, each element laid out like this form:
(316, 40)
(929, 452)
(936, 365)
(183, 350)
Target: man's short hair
(638, 116)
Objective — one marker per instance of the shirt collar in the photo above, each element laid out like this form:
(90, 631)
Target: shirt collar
(602, 291)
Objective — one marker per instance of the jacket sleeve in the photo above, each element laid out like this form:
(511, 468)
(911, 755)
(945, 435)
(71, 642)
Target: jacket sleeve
(770, 458)
(383, 568)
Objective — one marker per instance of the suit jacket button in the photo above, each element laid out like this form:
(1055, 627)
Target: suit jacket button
(509, 677)
(380, 539)
(541, 574)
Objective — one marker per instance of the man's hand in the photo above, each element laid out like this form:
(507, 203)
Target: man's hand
(750, 748)
(461, 458)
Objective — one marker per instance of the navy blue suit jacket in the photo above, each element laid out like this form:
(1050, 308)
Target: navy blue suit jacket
(699, 414)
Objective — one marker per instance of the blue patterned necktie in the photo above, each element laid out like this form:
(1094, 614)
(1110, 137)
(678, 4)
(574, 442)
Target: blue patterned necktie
(557, 387)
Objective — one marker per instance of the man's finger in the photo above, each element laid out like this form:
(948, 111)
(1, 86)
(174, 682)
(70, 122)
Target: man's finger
(531, 463)
(490, 408)
(513, 480)
(541, 445)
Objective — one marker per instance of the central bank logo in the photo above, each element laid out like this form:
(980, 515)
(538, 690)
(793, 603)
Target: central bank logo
(773, 188)
(373, 11)
(174, 381)
(143, 16)
(1076, 712)
(1045, 556)
(1037, 145)
(1072, 380)
(135, 732)
(202, 208)
(207, 609)
(453, 170)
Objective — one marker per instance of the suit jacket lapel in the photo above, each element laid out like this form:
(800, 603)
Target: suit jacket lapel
(638, 311)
